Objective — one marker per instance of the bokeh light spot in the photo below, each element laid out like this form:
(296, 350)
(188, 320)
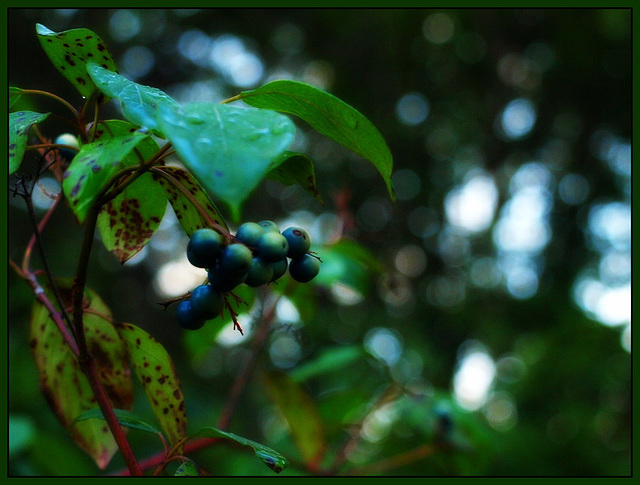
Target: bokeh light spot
(517, 119)
(412, 109)
(438, 28)
(471, 207)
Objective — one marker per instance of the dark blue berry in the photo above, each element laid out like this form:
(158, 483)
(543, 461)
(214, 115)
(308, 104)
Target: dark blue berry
(206, 301)
(204, 247)
(187, 318)
(232, 268)
(272, 246)
(260, 273)
(269, 226)
(299, 241)
(304, 269)
(249, 233)
(279, 268)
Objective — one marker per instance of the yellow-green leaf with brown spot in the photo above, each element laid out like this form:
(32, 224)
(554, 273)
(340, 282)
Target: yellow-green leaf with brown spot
(65, 386)
(157, 374)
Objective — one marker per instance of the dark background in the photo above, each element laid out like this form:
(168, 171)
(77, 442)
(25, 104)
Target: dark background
(560, 400)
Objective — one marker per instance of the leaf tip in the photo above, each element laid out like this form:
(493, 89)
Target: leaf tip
(43, 30)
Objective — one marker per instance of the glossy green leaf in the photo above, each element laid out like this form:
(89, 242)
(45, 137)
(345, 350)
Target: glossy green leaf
(70, 52)
(295, 168)
(127, 223)
(347, 265)
(270, 457)
(93, 167)
(190, 202)
(140, 104)
(331, 360)
(301, 414)
(65, 386)
(19, 124)
(14, 95)
(228, 149)
(125, 418)
(157, 374)
(329, 116)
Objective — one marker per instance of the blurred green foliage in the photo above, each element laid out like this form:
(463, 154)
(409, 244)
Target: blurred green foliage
(559, 403)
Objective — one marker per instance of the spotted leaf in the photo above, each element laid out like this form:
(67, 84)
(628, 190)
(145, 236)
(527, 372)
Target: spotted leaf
(228, 149)
(127, 223)
(295, 168)
(19, 124)
(71, 50)
(140, 104)
(93, 167)
(65, 386)
(155, 370)
(191, 203)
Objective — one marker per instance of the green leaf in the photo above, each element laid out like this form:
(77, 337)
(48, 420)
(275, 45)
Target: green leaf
(14, 95)
(127, 222)
(125, 418)
(93, 167)
(19, 124)
(270, 457)
(65, 386)
(329, 116)
(70, 52)
(295, 168)
(301, 414)
(140, 104)
(228, 149)
(157, 374)
(346, 265)
(187, 469)
(331, 360)
(191, 203)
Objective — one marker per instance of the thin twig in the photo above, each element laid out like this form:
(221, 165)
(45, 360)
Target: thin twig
(243, 378)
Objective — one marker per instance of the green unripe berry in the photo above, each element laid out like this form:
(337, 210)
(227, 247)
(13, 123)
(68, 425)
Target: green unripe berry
(67, 139)
(279, 268)
(269, 226)
(249, 233)
(260, 273)
(187, 318)
(304, 269)
(299, 241)
(206, 301)
(204, 247)
(272, 246)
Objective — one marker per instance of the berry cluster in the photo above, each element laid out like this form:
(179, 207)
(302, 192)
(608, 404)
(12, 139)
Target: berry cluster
(259, 254)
